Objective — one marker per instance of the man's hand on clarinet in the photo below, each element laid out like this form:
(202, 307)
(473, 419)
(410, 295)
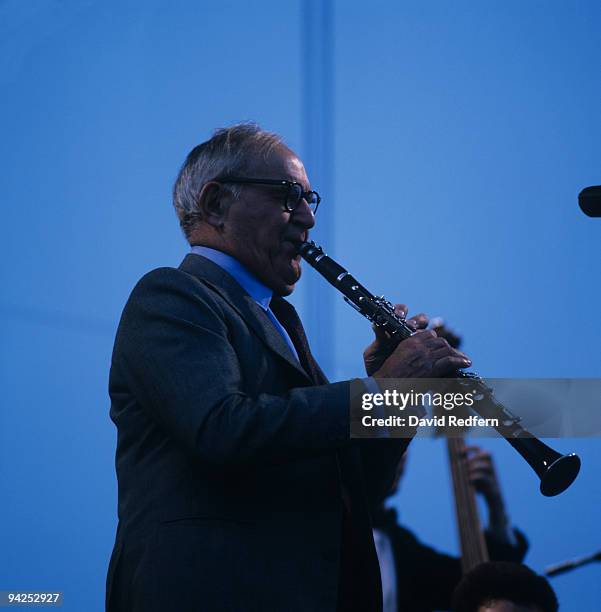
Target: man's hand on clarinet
(383, 345)
(423, 355)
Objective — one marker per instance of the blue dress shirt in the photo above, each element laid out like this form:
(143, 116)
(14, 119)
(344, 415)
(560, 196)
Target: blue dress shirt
(254, 287)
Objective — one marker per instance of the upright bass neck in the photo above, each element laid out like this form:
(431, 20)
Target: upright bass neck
(471, 537)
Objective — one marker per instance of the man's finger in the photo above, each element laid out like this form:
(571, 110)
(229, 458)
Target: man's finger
(441, 352)
(444, 349)
(380, 333)
(419, 321)
(448, 365)
(427, 335)
(401, 310)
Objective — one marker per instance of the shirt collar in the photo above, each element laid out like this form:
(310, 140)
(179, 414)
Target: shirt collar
(249, 282)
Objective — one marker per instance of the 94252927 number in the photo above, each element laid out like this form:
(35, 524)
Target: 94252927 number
(12, 598)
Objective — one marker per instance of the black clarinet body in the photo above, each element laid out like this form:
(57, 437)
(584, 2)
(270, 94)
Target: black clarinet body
(555, 471)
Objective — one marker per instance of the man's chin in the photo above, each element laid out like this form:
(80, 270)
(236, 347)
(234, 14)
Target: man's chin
(284, 290)
(287, 279)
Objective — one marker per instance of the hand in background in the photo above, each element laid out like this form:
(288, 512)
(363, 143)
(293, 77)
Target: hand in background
(483, 476)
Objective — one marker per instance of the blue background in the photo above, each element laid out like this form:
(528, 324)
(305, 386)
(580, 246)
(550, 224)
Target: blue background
(462, 135)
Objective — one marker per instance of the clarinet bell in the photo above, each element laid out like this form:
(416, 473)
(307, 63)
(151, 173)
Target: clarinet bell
(559, 475)
(556, 471)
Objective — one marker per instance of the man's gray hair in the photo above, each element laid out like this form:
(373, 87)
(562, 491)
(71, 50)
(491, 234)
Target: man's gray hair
(230, 151)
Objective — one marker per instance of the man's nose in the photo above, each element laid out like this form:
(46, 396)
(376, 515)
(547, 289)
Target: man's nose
(303, 215)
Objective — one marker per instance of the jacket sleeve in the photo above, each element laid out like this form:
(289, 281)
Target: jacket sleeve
(500, 550)
(174, 354)
(380, 460)
(426, 578)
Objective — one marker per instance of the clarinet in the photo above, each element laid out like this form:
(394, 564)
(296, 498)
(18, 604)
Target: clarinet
(555, 471)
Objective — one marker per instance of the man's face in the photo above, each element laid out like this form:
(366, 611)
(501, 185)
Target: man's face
(261, 233)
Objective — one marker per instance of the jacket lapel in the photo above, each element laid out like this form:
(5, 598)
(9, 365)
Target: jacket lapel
(228, 288)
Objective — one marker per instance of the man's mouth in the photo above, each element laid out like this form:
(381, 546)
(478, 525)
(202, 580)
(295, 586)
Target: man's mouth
(296, 243)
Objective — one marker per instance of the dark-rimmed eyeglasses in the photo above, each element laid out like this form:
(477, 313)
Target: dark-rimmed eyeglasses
(294, 191)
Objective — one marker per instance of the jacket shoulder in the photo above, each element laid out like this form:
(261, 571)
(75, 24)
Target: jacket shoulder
(174, 294)
(174, 284)
(169, 277)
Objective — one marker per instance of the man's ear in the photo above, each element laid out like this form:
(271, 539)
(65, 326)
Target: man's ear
(214, 203)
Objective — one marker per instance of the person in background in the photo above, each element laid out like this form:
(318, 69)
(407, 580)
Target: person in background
(504, 587)
(418, 578)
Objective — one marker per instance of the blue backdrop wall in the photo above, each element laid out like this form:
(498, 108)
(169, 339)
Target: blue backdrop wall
(461, 137)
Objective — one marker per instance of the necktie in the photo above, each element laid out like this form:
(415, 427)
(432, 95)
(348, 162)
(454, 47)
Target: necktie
(286, 314)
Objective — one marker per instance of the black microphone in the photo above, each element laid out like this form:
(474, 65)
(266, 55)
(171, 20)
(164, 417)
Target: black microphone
(566, 566)
(589, 200)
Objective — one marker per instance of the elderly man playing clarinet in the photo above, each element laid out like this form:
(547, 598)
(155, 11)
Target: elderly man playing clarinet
(239, 485)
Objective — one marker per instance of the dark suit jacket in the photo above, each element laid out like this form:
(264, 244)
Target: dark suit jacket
(230, 460)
